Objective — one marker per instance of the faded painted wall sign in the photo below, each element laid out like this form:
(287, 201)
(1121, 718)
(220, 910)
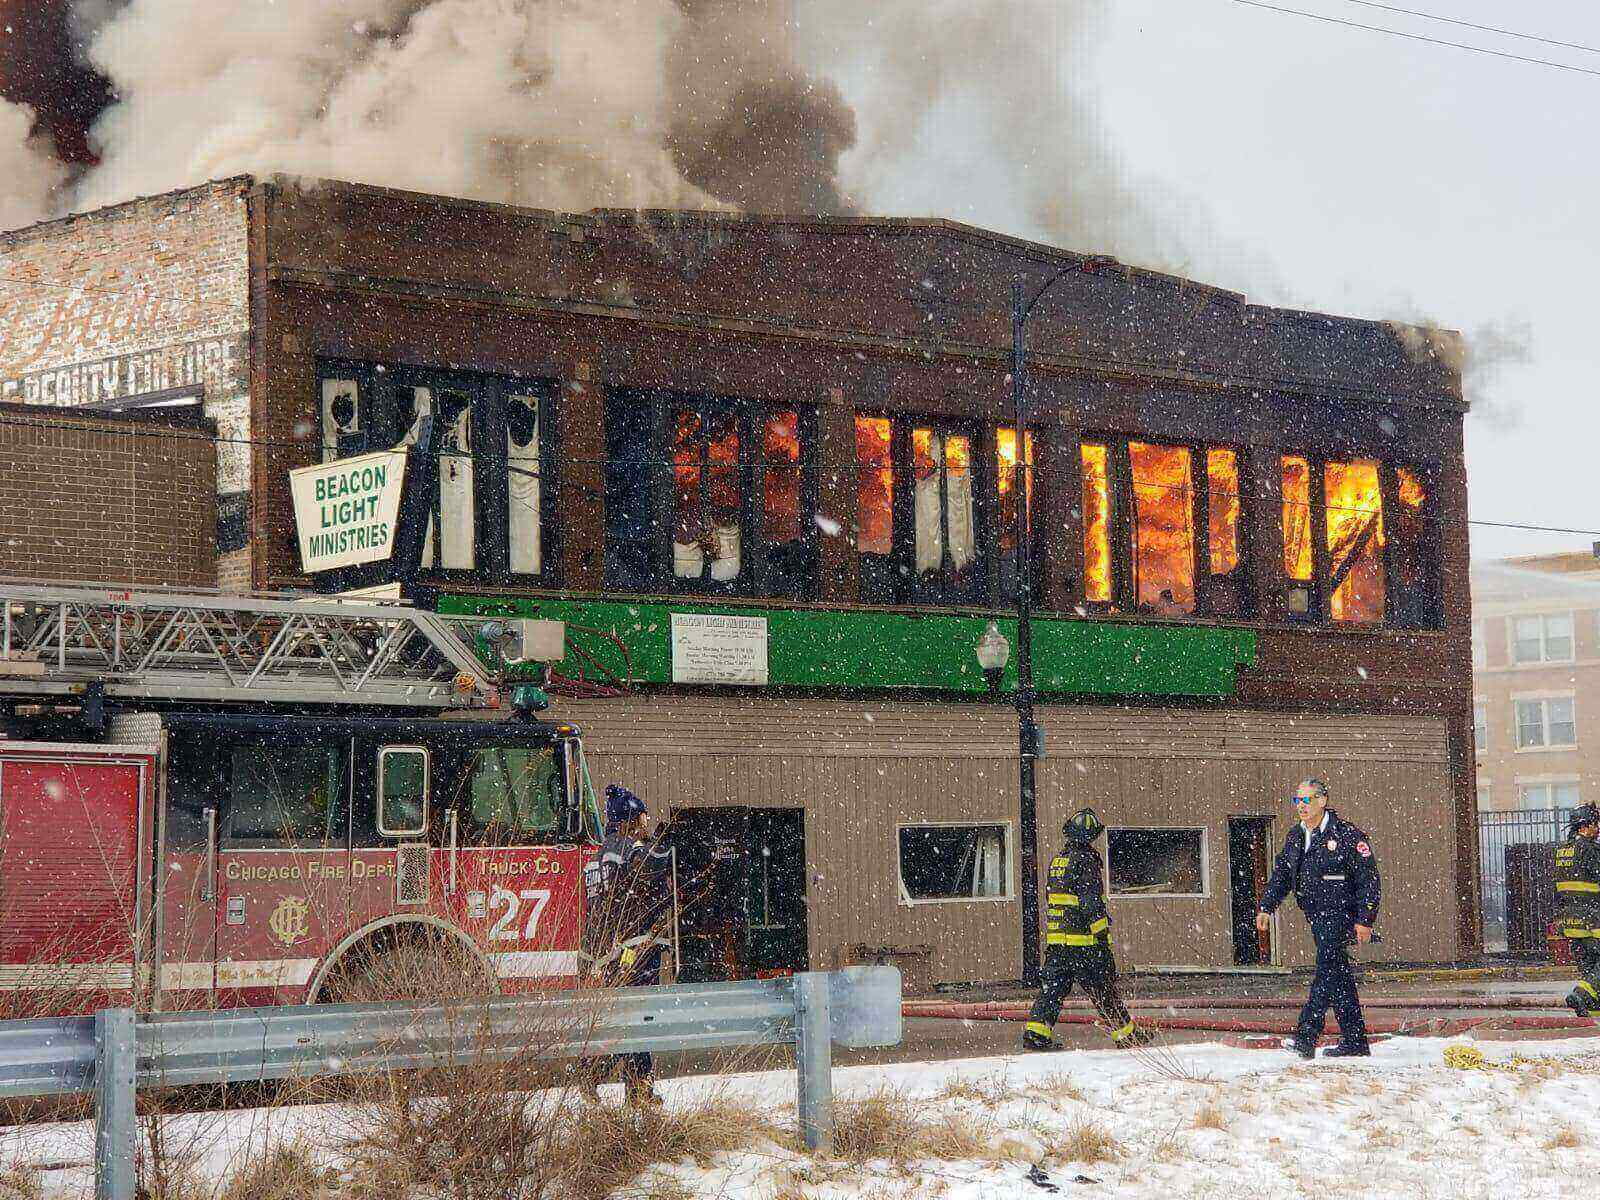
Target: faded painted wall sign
(710, 648)
(345, 510)
(218, 363)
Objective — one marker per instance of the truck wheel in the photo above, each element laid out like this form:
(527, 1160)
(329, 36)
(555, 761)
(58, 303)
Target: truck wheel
(416, 963)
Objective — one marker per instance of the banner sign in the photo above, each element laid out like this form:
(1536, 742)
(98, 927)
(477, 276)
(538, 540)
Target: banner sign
(708, 648)
(345, 511)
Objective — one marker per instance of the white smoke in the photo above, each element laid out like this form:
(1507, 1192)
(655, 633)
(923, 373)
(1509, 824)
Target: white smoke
(30, 175)
(555, 103)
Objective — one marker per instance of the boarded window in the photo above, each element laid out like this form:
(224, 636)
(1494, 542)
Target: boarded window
(1355, 540)
(954, 862)
(1097, 582)
(523, 486)
(1163, 528)
(874, 486)
(1156, 862)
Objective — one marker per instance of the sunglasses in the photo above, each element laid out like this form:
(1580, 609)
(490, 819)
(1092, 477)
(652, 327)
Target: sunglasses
(1303, 800)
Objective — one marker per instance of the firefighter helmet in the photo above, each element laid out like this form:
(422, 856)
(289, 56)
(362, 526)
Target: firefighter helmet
(1083, 826)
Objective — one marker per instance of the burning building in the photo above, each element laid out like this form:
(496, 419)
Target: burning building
(766, 472)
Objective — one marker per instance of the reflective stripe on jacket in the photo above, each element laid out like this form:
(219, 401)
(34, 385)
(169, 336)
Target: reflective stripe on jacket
(1075, 907)
(1577, 874)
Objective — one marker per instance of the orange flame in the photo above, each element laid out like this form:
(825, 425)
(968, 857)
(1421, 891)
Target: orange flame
(957, 455)
(1005, 481)
(1222, 498)
(874, 486)
(1163, 535)
(780, 483)
(923, 463)
(1297, 518)
(1355, 539)
(1412, 493)
(690, 525)
(1096, 524)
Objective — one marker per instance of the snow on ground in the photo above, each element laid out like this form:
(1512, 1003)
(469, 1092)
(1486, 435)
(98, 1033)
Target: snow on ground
(1197, 1121)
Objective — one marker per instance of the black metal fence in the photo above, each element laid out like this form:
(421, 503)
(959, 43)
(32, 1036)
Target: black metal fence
(1496, 831)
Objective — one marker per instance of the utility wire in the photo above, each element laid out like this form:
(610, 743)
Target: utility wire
(1527, 37)
(1418, 37)
(667, 463)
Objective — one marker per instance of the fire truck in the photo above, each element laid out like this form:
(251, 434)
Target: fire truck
(244, 800)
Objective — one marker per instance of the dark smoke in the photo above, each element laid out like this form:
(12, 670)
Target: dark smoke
(41, 65)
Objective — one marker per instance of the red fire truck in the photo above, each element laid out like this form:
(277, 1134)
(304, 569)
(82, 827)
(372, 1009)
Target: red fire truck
(242, 800)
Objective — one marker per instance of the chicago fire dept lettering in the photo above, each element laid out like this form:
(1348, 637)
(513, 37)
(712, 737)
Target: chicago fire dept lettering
(289, 921)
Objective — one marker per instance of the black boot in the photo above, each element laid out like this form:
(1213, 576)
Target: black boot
(1032, 1039)
(1296, 1046)
(1578, 1002)
(1352, 1051)
(1134, 1038)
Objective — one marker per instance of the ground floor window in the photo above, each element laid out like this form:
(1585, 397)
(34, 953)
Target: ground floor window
(1156, 862)
(954, 862)
(1547, 795)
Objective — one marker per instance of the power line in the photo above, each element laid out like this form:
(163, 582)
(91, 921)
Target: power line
(1417, 37)
(1527, 37)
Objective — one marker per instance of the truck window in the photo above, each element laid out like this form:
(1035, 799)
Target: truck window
(512, 792)
(288, 793)
(402, 791)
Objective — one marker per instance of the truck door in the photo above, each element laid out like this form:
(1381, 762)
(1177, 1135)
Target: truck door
(283, 863)
(69, 909)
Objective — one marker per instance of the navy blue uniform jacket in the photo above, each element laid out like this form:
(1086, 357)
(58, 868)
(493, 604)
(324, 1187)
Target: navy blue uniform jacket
(1335, 880)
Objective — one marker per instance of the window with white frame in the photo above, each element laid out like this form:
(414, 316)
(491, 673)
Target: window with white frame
(1480, 646)
(1541, 639)
(1546, 722)
(1156, 862)
(1547, 795)
(955, 862)
(1480, 727)
(1485, 796)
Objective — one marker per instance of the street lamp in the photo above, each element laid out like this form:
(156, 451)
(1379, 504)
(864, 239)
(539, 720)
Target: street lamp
(993, 653)
(1027, 731)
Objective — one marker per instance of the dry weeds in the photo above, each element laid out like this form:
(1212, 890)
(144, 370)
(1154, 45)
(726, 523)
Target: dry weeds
(1564, 1137)
(1086, 1141)
(1210, 1116)
(20, 1183)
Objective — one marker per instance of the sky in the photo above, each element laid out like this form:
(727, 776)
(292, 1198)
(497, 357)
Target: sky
(1336, 169)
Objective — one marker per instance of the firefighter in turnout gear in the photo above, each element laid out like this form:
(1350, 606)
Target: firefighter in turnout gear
(1330, 867)
(1578, 895)
(1078, 941)
(628, 913)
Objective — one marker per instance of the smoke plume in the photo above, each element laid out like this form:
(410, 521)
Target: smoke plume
(1480, 355)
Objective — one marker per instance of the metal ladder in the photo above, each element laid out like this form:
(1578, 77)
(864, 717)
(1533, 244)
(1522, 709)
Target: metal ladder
(56, 639)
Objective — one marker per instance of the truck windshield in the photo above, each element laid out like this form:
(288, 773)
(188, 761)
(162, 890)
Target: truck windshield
(512, 791)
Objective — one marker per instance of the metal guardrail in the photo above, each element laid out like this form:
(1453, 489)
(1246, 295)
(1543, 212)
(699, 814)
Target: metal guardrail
(116, 1052)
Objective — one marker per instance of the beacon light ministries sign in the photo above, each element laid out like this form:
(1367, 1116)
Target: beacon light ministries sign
(345, 511)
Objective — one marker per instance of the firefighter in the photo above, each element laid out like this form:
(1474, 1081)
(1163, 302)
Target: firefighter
(1578, 896)
(628, 908)
(1078, 941)
(1329, 865)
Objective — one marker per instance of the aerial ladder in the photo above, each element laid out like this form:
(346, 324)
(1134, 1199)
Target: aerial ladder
(65, 641)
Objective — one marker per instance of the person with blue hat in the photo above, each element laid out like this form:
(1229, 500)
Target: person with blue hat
(1578, 895)
(628, 912)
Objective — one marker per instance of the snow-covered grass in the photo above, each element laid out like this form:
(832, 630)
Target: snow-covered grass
(1230, 1125)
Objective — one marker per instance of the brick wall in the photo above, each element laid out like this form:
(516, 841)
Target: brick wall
(141, 297)
(118, 499)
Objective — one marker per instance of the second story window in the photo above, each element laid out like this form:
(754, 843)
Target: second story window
(1162, 528)
(709, 494)
(1480, 727)
(1541, 639)
(1548, 722)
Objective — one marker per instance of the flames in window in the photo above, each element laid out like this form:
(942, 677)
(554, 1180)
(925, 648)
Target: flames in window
(686, 477)
(874, 486)
(705, 473)
(1096, 524)
(1412, 493)
(1222, 498)
(1163, 528)
(1006, 483)
(1297, 518)
(1355, 540)
(780, 483)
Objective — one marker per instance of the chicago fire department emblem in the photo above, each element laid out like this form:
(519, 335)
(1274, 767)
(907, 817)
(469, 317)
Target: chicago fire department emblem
(288, 922)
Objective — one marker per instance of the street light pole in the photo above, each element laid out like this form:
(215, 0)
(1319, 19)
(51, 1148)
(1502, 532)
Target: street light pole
(1027, 731)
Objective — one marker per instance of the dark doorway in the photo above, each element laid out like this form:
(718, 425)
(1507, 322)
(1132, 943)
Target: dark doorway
(1249, 863)
(742, 892)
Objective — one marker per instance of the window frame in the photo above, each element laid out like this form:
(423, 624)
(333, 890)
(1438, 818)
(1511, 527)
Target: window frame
(1543, 701)
(421, 831)
(1007, 848)
(1205, 864)
(1480, 645)
(379, 399)
(1480, 726)
(228, 840)
(1399, 612)
(1544, 658)
(1524, 786)
(1122, 526)
(656, 485)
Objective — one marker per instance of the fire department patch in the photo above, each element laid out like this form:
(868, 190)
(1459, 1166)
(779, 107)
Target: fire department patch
(1332, 845)
(288, 922)
(1364, 850)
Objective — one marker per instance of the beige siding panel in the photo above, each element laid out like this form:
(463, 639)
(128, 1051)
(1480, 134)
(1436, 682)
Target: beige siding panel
(859, 779)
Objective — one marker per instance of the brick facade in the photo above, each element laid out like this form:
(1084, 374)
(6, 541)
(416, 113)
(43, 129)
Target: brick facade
(143, 297)
(107, 499)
